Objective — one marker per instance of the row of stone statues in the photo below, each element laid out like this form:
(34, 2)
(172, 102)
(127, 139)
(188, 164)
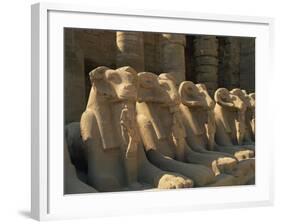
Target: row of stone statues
(141, 131)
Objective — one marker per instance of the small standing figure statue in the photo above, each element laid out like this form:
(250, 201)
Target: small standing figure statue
(131, 138)
(210, 128)
(240, 119)
(210, 123)
(178, 133)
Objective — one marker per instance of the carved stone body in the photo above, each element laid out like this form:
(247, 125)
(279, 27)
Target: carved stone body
(116, 159)
(252, 118)
(245, 115)
(201, 125)
(230, 119)
(163, 135)
(249, 114)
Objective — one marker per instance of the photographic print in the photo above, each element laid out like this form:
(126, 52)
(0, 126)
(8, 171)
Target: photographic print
(146, 111)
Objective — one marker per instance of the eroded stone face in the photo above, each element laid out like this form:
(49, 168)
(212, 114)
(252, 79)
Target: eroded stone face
(149, 89)
(229, 100)
(168, 84)
(117, 85)
(191, 96)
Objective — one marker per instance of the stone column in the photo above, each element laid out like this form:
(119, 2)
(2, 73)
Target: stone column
(230, 62)
(173, 55)
(152, 52)
(206, 61)
(247, 64)
(130, 50)
(74, 77)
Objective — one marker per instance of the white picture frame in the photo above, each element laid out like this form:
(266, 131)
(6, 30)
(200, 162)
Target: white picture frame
(48, 201)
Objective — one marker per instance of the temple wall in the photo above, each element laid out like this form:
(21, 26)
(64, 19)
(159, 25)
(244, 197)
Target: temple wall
(74, 78)
(172, 55)
(247, 64)
(152, 51)
(206, 61)
(229, 71)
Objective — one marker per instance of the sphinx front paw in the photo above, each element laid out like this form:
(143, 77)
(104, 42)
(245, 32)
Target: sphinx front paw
(226, 165)
(171, 181)
(244, 154)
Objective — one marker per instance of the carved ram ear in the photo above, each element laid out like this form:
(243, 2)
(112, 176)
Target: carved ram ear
(184, 86)
(243, 99)
(98, 73)
(99, 81)
(221, 95)
(189, 92)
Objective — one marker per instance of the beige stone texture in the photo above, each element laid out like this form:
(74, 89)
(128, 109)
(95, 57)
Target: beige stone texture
(210, 128)
(189, 138)
(246, 117)
(198, 119)
(229, 116)
(173, 55)
(163, 134)
(116, 159)
(252, 117)
(86, 49)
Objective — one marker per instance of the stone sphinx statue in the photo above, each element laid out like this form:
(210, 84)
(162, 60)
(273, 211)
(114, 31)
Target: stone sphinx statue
(249, 115)
(230, 119)
(163, 134)
(115, 155)
(196, 109)
(244, 119)
(252, 116)
(199, 125)
(199, 118)
(209, 123)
